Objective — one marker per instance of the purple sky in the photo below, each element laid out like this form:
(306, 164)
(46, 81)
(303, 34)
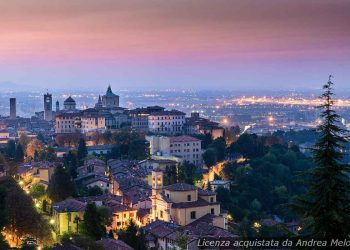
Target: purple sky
(202, 44)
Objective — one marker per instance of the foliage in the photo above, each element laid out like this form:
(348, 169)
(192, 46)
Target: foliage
(132, 236)
(82, 151)
(209, 157)
(70, 162)
(33, 146)
(37, 191)
(23, 219)
(170, 175)
(326, 204)
(137, 149)
(248, 145)
(187, 172)
(82, 241)
(19, 154)
(95, 219)
(61, 185)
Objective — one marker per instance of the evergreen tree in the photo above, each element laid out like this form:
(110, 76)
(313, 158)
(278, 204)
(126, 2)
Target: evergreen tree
(132, 236)
(11, 149)
(93, 225)
(82, 151)
(19, 155)
(61, 185)
(326, 205)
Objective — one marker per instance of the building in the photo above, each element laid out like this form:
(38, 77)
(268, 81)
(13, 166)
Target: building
(48, 107)
(215, 184)
(13, 108)
(69, 104)
(112, 244)
(4, 136)
(166, 122)
(158, 145)
(57, 106)
(67, 122)
(66, 216)
(139, 117)
(187, 147)
(182, 203)
(198, 125)
(110, 100)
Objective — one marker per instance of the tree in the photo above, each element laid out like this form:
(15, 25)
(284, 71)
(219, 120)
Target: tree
(209, 157)
(11, 149)
(19, 155)
(137, 149)
(23, 219)
(187, 172)
(182, 239)
(70, 162)
(82, 151)
(61, 185)
(219, 145)
(3, 218)
(132, 236)
(33, 146)
(94, 221)
(327, 202)
(37, 191)
(170, 175)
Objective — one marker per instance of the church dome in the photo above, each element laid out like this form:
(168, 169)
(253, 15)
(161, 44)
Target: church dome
(69, 100)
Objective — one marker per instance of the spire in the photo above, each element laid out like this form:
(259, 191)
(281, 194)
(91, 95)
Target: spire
(109, 89)
(99, 99)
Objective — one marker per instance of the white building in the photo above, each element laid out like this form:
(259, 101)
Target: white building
(166, 122)
(187, 147)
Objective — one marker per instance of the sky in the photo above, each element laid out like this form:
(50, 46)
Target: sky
(174, 44)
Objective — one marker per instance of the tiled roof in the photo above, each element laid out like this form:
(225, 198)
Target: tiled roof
(202, 192)
(112, 244)
(180, 187)
(116, 208)
(143, 212)
(66, 247)
(183, 138)
(69, 205)
(198, 203)
(168, 112)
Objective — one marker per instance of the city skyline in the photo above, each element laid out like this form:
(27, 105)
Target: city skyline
(179, 45)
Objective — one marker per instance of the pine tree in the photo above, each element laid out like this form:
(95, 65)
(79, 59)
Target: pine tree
(326, 205)
(61, 185)
(19, 155)
(82, 151)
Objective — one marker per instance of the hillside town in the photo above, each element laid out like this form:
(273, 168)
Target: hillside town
(144, 166)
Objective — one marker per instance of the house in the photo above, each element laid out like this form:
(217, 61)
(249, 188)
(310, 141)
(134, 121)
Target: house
(151, 164)
(100, 181)
(122, 214)
(37, 171)
(66, 215)
(112, 244)
(164, 235)
(166, 122)
(183, 203)
(215, 184)
(92, 166)
(99, 149)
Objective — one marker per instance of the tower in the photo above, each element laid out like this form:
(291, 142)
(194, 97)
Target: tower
(99, 103)
(157, 181)
(47, 107)
(110, 100)
(13, 108)
(57, 106)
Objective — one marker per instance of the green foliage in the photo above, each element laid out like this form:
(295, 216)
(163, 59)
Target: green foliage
(37, 191)
(209, 157)
(61, 185)
(187, 172)
(70, 162)
(82, 241)
(11, 149)
(326, 204)
(132, 236)
(82, 151)
(19, 155)
(248, 145)
(137, 149)
(206, 139)
(3, 217)
(95, 219)
(46, 154)
(170, 175)
(22, 217)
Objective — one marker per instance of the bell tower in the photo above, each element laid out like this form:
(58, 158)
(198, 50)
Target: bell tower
(157, 181)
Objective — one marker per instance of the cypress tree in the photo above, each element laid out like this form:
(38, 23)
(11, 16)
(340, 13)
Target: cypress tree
(326, 204)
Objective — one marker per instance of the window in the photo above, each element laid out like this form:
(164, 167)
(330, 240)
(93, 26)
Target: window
(193, 215)
(189, 197)
(212, 211)
(168, 196)
(161, 214)
(212, 199)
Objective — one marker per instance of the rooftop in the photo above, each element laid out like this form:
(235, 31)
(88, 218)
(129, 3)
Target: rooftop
(69, 205)
(112, 244)
(180, 187)
(183, 138)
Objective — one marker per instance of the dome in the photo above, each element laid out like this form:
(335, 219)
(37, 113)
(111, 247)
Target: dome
(69, 100)
(109, 92)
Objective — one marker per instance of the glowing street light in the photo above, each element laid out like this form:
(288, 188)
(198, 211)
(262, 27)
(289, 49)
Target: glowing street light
(52, 221)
